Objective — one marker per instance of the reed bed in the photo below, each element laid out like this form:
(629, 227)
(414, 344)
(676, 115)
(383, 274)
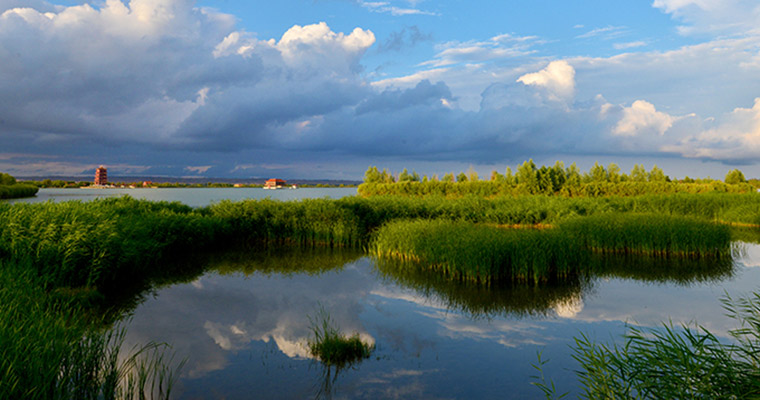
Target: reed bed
(103, 241)
(478, 253)
(487, 254)
(650, 234)
(303, 222)
(52, 349)
(17, 190)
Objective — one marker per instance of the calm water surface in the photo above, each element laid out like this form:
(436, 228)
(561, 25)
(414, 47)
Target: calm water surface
(243, 327)
(195, 197)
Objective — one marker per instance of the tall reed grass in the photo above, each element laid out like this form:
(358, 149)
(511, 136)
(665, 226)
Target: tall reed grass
(17, 190)
(660, 235)
(478, 253)
(53, 349)
(676, 363)
(487, 254)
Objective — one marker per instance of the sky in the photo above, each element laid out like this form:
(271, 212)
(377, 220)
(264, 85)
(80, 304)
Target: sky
(323, 89)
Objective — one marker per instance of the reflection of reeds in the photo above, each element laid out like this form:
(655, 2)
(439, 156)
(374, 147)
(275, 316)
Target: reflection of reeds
(477, 300)
(487, 254)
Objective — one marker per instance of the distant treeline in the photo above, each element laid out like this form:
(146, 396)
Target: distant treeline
(554, 180)
(10, 189)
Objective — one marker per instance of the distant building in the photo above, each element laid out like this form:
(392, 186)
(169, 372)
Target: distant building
(101, 176)
(275, 184)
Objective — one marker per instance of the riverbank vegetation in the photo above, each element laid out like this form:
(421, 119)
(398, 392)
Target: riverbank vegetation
(10, 189)
(556, 180)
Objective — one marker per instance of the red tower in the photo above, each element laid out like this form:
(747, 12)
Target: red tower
(101, 176)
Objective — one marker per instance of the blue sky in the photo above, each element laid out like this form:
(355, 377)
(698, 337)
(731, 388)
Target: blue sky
(325, 88)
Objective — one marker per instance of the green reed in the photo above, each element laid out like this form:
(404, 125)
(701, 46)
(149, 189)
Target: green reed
(17, 190)
(333, 348)
(53, 349)
(661, 235)
(673, 363)
(479, 253)
(486, 254)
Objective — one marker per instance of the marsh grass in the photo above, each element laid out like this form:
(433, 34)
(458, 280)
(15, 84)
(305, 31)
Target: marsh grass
(487, 254)
(676, 363)
(17, 190)
(479, 253)
(650, 234)
(53, 349)
(333, 348)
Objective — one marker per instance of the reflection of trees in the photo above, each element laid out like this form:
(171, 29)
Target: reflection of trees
(562, 297)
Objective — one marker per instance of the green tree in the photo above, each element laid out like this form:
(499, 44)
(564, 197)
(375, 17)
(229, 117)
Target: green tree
(509, 179)
(558, 176)
(657, 175)
(372, 175)
(638, 173)
(526, 176)
(597, 173)
(734, 177)
(462, 177)
(7, 179)
(573, 174)
(613, 173)
(405, 176)
(472, 175)
(448, 177)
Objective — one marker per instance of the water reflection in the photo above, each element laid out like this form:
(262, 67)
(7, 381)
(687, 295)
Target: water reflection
(563, 299)
(485, 301)
(243, 325)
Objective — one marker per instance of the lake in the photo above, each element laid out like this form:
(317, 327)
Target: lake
(243, 325)
(195, 197)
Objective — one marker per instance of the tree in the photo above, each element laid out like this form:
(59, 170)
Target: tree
(613, 173)
(573, 174)
(509, 179)
(558, 176)
(386, 177)
(657, 175)
(448, 177)
(526, 176)
(405, 176)
(734, 177)
(7, 179)
(496, 176)
(462, 177)
(638, 173)
(472, 175)
(372, 175)
(597, 173)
